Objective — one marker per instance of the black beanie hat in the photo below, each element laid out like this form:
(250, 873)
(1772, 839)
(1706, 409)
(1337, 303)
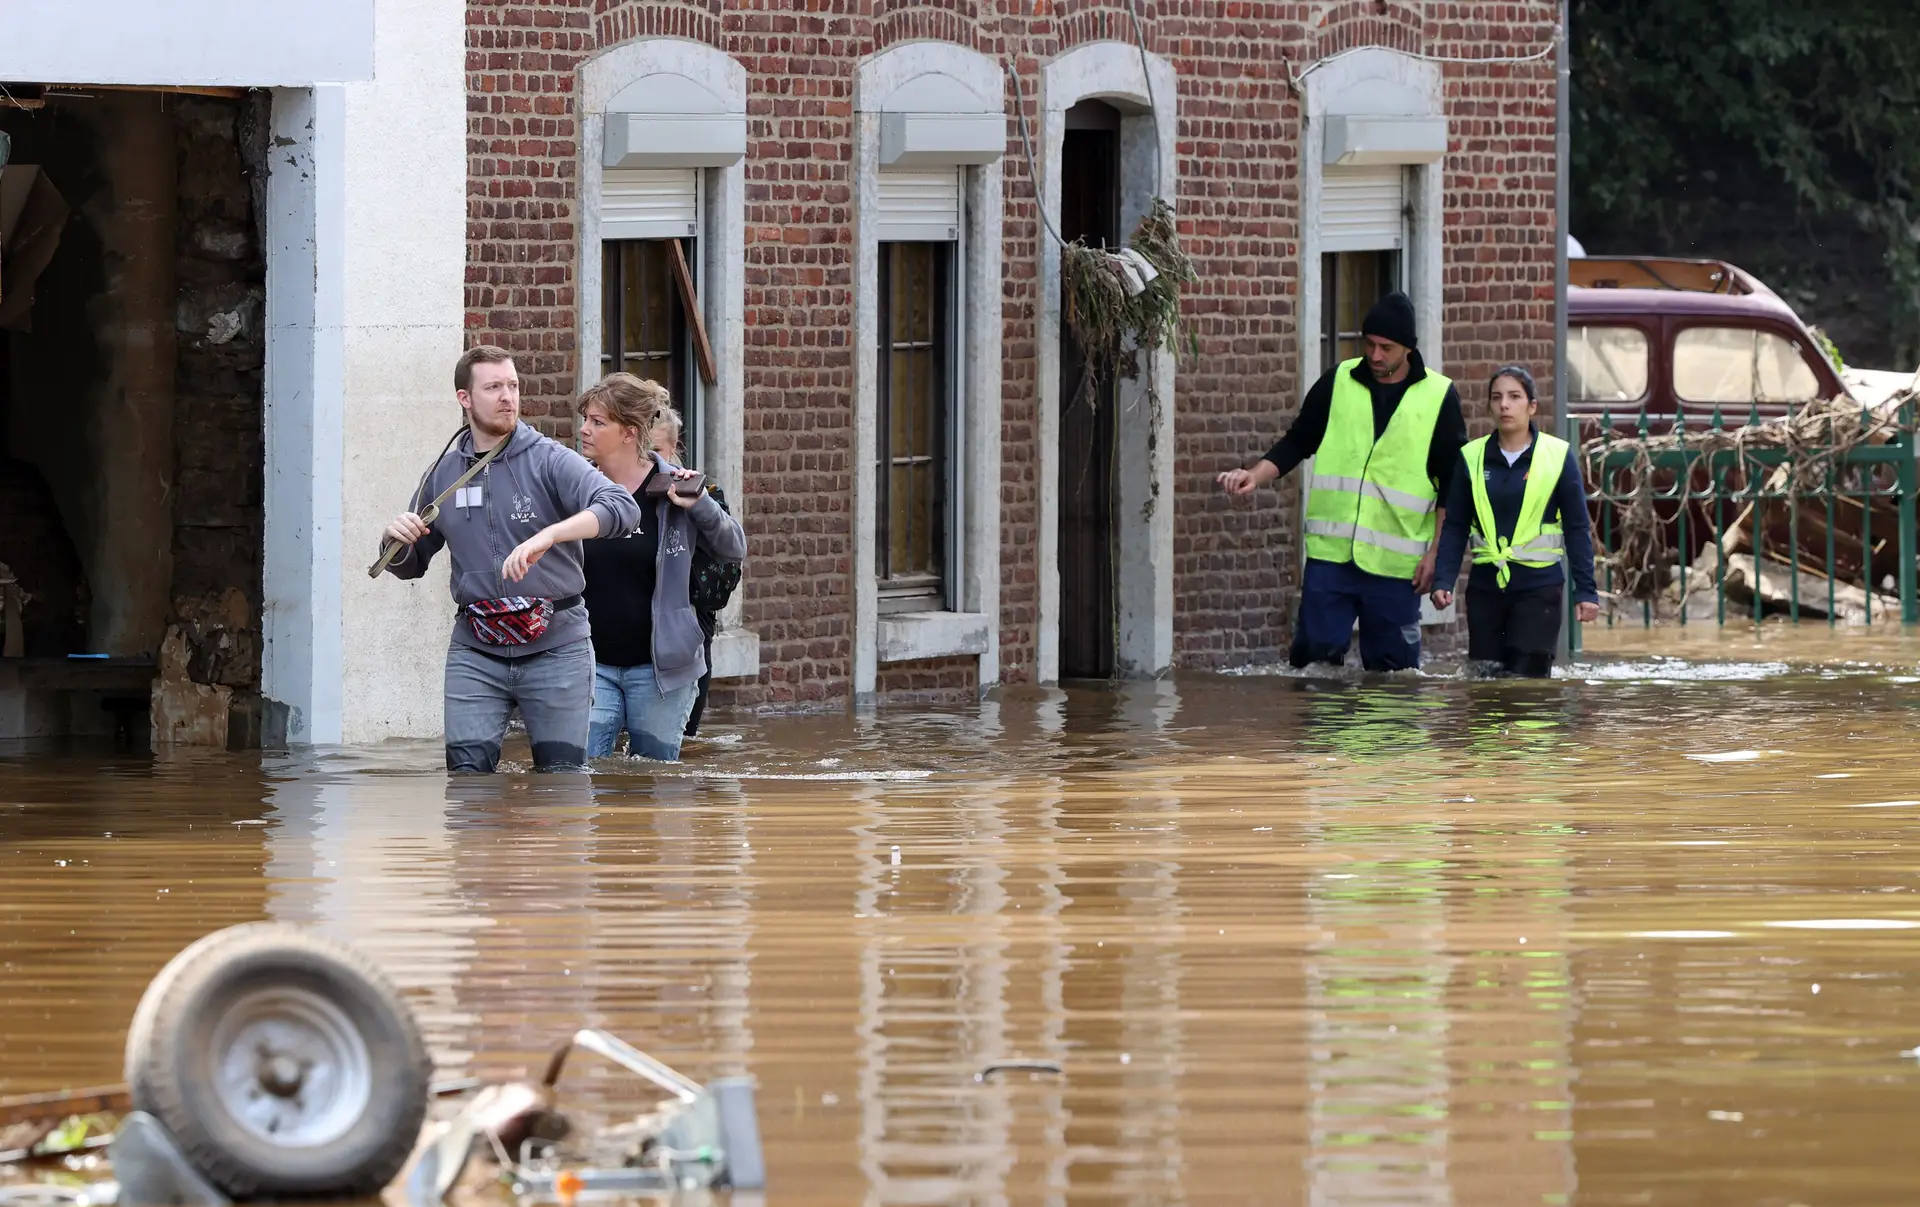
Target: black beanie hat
(1392, 318)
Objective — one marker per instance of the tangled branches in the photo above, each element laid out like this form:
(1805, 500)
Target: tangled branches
(1806, 450)
(1111, 325)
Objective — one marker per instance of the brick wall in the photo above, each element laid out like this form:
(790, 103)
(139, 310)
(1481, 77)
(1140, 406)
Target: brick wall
(1499, 197)
(1235, 567)
(932, 681)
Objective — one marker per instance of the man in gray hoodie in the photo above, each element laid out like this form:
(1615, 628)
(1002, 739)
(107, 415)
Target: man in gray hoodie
(514, 533)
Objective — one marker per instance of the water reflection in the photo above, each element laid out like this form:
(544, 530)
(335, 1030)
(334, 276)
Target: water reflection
(1293, 939)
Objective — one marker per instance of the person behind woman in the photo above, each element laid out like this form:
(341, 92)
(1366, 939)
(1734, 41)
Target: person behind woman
(1517, 499)
(649, 651)
(713, 580)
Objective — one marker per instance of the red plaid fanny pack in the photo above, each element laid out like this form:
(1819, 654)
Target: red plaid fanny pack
(516, 620)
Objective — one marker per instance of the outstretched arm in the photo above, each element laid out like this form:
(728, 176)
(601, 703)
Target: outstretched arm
(1302, 440)
(581, 526)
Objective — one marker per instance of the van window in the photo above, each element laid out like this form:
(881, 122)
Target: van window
(1607, 364)
(1740, 365)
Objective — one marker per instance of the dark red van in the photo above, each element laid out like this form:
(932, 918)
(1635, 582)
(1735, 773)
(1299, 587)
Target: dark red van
(1669, 335)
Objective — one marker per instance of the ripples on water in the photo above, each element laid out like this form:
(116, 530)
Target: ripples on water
(1634, 936)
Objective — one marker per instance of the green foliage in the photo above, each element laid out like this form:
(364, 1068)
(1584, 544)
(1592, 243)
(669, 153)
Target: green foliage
(1683, 109)
(1829, 349)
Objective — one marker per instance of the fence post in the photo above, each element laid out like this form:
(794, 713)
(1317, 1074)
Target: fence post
(1909, 604)
(1717, 463)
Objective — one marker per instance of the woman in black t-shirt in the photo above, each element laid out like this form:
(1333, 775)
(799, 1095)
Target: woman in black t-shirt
(647, 642)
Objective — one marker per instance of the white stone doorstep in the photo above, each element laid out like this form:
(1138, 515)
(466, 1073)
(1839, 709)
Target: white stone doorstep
(736, 654)
(917, 636)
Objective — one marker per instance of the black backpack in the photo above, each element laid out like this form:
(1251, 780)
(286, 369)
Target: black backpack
(712, 581)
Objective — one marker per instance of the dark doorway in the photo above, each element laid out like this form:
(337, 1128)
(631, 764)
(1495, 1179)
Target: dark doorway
(131, 415)
(1089, 431)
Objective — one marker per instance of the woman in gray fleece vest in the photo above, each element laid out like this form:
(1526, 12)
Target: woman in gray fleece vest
(649, 650)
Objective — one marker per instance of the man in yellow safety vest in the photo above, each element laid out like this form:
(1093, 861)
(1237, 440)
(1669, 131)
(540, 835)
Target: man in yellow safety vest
(1385, 433)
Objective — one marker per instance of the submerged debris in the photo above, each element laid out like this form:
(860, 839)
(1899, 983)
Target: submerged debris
(1019, 1066)
(228, 1029)
(701, 1137)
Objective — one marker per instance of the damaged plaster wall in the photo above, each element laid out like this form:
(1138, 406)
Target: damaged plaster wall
(207, 691)
(92, 382)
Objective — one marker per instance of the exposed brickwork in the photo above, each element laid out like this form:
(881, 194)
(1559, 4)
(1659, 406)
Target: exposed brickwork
(1499, 196)
(1235, 578)
(934, 681)
(619, 21)
(954, 21)
(1355, 23)
(1239, 142)
(522, 169)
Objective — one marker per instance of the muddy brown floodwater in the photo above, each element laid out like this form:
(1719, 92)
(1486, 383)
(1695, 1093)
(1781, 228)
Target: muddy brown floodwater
(1643, 935)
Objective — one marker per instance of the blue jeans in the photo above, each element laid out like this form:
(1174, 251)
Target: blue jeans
(628, 696)
(554, 690)
(1333, 595)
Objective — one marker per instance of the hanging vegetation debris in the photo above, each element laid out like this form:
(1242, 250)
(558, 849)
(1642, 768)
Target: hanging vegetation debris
(1118, 304)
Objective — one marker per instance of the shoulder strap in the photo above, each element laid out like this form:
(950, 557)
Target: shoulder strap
(485, 459)
(433, 509)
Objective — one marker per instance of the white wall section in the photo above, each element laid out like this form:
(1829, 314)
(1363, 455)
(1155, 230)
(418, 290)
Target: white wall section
(366, 269)
(300, 629)
(255, 43)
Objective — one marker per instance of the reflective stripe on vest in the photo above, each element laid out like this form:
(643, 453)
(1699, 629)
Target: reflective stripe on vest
(1372, 502)
(1534, 542)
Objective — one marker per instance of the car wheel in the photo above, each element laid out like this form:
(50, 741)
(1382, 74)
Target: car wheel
(282, 1063)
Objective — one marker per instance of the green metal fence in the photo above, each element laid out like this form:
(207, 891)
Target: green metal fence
(1791, 491)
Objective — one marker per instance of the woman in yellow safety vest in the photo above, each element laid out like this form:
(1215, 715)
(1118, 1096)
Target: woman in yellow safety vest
(1517, 502)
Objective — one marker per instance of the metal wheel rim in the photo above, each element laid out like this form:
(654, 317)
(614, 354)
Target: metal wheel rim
(290, 1067)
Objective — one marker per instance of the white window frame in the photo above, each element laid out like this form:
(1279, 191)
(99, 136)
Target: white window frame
(954, 409)
(720, 244)
(693, 401)
(926, 89)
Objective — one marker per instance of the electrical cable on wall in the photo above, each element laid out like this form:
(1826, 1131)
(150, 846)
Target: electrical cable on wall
(1146, 80)
(1135, 271)
(1295, 78)
(1153, 105)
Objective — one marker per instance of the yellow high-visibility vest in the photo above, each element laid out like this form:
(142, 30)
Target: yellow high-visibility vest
(1371, 501)
(1534, 542)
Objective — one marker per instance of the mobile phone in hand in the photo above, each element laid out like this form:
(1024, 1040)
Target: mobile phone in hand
(659, 483)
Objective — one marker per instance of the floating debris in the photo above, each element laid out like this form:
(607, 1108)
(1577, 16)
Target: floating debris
(1046, 1067)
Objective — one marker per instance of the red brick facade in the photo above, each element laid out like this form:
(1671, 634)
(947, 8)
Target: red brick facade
(1240, 136)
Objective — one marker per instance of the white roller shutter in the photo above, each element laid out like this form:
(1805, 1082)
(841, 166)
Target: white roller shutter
(649, 203)
(920, 207)
(1361, 209)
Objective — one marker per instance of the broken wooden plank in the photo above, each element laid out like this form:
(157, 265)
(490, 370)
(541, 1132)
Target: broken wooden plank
(1777, 587)
(56, 1105)
(690, 302)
